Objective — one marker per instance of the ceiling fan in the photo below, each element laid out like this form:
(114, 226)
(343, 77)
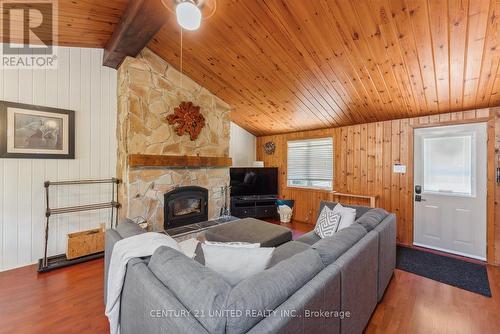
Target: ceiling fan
(190, 13)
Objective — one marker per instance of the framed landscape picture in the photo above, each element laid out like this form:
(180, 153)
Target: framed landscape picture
(35, 132)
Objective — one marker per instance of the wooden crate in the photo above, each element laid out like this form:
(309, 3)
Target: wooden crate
(85, 243)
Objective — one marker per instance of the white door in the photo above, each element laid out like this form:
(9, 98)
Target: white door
(450, 189)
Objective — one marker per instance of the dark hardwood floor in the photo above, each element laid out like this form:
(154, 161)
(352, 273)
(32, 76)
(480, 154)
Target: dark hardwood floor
(70, 300)
(297, 228)
(415, 304)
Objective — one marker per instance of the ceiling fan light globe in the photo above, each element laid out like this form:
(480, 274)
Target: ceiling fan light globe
(188, 15)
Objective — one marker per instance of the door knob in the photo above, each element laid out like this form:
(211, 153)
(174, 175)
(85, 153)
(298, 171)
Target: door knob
(418, 198)
(418, 189)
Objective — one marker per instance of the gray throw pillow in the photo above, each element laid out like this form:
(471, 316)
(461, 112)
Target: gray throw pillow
(372, 218)
(199, 257)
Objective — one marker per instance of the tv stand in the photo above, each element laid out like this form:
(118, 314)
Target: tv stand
(258, 206)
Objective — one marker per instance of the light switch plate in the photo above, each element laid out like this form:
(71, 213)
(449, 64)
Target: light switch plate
(399, 169)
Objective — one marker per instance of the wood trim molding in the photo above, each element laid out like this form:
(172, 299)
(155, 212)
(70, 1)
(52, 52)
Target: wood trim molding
(490, 186)
(178, 161)
(411, 182)
(456, 122)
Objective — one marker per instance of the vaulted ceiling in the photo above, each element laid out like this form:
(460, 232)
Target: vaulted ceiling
(85, 23)
(287, 65)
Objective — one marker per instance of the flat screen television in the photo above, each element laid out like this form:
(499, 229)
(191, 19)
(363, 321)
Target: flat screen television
(261, 181)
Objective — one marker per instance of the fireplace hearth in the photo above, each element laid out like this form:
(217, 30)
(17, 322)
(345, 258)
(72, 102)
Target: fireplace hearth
(185, 206)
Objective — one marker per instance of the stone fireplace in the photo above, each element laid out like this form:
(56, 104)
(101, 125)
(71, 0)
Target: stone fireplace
(148, 90)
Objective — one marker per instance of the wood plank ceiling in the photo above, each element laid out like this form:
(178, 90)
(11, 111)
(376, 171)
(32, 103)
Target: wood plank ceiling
(289, 65)
(294, 65)
(83, 23)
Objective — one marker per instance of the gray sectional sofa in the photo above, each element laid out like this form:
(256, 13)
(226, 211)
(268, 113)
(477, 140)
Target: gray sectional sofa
(312, 285)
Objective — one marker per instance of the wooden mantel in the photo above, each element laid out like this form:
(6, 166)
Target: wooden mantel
(149, 160)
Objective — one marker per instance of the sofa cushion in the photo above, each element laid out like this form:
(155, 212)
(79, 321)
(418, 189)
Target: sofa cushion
(201, 290)
(372, 218)
(309, 238)
(286, 251)
(147, 306)
(269, 289)
(128, 228)
(250, 230)
(360, 210)
(331, 248)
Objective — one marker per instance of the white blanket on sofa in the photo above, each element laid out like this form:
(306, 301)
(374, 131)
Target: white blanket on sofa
(135, 246)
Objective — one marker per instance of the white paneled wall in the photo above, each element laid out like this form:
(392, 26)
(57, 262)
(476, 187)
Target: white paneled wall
(82, 84)
(242, 146)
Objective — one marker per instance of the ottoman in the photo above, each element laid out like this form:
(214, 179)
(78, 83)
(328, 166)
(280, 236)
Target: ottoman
(250, 230)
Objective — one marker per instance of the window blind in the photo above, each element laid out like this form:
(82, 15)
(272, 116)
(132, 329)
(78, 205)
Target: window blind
(310, 162)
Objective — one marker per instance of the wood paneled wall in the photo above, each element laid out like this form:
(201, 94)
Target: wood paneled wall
(363, 161)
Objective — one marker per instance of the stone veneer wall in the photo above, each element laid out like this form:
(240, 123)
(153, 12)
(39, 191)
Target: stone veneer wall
(148, 90)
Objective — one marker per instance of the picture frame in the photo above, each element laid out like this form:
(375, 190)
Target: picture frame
(36, 132)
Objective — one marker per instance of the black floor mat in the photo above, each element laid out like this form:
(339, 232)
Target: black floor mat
(461, 274)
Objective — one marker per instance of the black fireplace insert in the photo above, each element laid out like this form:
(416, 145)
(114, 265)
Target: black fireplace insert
(185, 206)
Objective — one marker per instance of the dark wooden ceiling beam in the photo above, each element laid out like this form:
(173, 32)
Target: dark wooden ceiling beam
(141, 20)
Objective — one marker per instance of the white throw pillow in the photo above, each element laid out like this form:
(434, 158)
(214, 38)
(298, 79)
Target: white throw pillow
(327, 223)
(236, 261)
(348, 216)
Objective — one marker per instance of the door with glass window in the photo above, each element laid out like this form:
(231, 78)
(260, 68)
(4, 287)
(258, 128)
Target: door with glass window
(450, 189)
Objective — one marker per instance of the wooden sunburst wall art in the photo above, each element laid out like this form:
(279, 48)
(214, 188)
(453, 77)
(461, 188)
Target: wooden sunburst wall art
(187, 119)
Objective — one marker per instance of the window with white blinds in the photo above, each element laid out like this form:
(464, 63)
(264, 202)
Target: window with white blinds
(310, 163)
